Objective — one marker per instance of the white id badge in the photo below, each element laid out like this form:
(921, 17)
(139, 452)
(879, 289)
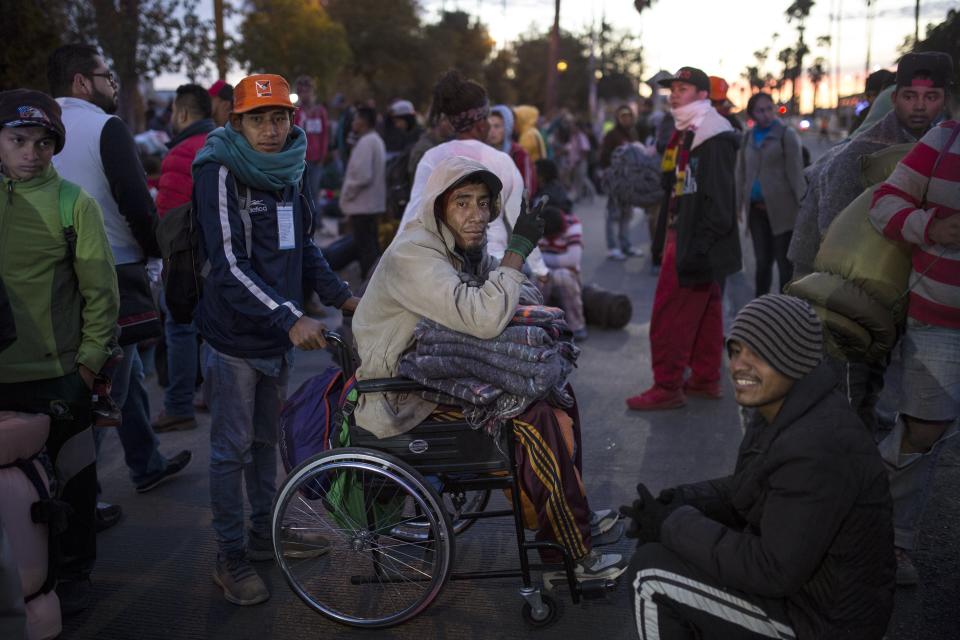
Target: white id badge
(286, 235)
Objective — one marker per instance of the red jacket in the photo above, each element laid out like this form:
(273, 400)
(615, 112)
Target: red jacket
(313, 120)
(176, 178)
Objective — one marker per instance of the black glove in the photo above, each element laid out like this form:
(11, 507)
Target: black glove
(528, 230)
(646, 516)
(670, 498)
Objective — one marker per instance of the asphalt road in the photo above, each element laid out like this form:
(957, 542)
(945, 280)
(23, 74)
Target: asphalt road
(153, 581)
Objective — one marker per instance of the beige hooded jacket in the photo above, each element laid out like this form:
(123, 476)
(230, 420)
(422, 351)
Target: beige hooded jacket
(418, 277)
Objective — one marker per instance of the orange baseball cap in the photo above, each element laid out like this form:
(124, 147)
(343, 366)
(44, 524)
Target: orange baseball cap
(261, 90)
(718, 89)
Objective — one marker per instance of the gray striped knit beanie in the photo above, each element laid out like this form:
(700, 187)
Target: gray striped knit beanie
(784, 331)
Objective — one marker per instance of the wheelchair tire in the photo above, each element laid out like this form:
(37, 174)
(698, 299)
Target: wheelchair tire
(368, 577)
(476, 501)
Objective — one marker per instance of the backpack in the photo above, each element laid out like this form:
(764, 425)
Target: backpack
(634, 178)
(316, 418)
(179, 237)
(310, 419)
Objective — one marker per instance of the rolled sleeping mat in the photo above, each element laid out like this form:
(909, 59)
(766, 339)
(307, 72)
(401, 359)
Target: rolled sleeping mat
(860, 326)
(606, 309)
(857, 252)
(22, 436)
(861, 277)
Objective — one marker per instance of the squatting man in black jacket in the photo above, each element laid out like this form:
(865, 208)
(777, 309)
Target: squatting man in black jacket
(798, 542)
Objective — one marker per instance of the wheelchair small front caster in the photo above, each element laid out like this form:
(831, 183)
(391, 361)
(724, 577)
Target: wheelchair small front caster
(540, 609)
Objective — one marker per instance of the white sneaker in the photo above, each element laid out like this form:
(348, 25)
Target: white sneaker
(596, 566)
(633, 253)
(602, 521)
(615, 254)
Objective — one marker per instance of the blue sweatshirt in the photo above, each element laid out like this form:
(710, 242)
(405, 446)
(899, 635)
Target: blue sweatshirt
(249, 302)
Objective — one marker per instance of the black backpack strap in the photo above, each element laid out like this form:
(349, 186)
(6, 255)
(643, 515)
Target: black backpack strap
(49, 511)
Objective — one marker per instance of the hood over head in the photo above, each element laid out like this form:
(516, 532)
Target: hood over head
(526, 117)
(447, 174)
(506, 114)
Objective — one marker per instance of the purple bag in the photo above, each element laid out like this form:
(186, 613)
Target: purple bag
(309, 418)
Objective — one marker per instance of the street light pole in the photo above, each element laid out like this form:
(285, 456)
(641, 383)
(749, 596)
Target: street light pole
(553, 55)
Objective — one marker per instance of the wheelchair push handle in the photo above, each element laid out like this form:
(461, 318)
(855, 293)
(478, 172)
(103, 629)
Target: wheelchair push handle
(341, 352)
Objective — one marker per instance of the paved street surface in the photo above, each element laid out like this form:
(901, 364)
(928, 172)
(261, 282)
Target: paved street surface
(153, 572)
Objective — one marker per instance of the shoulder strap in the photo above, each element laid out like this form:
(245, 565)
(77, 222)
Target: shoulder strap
(69, 192)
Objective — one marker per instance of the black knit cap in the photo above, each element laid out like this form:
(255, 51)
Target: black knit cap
(783, 330)
(26, 108)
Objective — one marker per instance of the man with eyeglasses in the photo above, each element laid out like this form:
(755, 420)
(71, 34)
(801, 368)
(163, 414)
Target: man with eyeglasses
(101, 156)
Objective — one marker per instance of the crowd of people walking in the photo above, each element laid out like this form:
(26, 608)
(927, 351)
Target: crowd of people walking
(456, 218)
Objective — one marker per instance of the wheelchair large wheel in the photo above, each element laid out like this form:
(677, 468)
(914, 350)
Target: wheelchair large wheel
(355, 498)
(455, 503)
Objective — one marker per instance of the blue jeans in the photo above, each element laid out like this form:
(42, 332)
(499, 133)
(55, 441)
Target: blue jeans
(618, 225)
(181, 365)
(244, 397)
(930, 366)
(139, 442)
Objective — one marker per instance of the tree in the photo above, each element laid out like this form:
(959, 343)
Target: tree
(943, 37)
(29, 33)
(621, 62)
(497, 78)
(293, 38)
(458, 43)
(453, 42)
(531, 53)
(385, 45)
(816, 74)
(141, 38)
(799, 11)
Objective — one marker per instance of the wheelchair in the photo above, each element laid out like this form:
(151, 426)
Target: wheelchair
(392, 509)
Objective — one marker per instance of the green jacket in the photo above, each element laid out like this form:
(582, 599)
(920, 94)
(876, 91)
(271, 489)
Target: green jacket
(65, 311)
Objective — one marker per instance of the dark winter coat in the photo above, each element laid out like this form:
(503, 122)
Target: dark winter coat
(705, 219)
(250, 301)
(806, 516)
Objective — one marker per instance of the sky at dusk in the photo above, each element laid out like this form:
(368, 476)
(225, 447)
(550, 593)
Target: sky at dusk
(718, 36)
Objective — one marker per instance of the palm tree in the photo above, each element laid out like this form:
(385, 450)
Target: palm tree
(816, 74)
(798, 10)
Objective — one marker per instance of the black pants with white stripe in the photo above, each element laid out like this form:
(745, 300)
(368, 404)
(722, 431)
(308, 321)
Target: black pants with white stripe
(675, 601)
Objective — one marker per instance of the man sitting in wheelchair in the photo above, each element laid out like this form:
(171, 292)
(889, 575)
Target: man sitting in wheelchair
(431, 270)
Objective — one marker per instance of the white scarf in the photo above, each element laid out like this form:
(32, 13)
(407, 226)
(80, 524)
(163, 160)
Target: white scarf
(702, 118)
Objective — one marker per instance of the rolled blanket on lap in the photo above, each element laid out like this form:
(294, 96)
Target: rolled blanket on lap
(546, 376)
(497, 379)
(537, 315)
(519, 366)
(468, 390)
(524, 343)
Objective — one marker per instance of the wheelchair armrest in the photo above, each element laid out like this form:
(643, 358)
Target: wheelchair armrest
(384, 385)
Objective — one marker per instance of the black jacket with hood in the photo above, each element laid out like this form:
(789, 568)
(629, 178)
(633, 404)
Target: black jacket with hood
(806, 516)
(705, 218)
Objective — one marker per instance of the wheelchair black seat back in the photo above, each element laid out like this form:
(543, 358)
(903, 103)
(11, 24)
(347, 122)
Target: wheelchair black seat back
(391, 509)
